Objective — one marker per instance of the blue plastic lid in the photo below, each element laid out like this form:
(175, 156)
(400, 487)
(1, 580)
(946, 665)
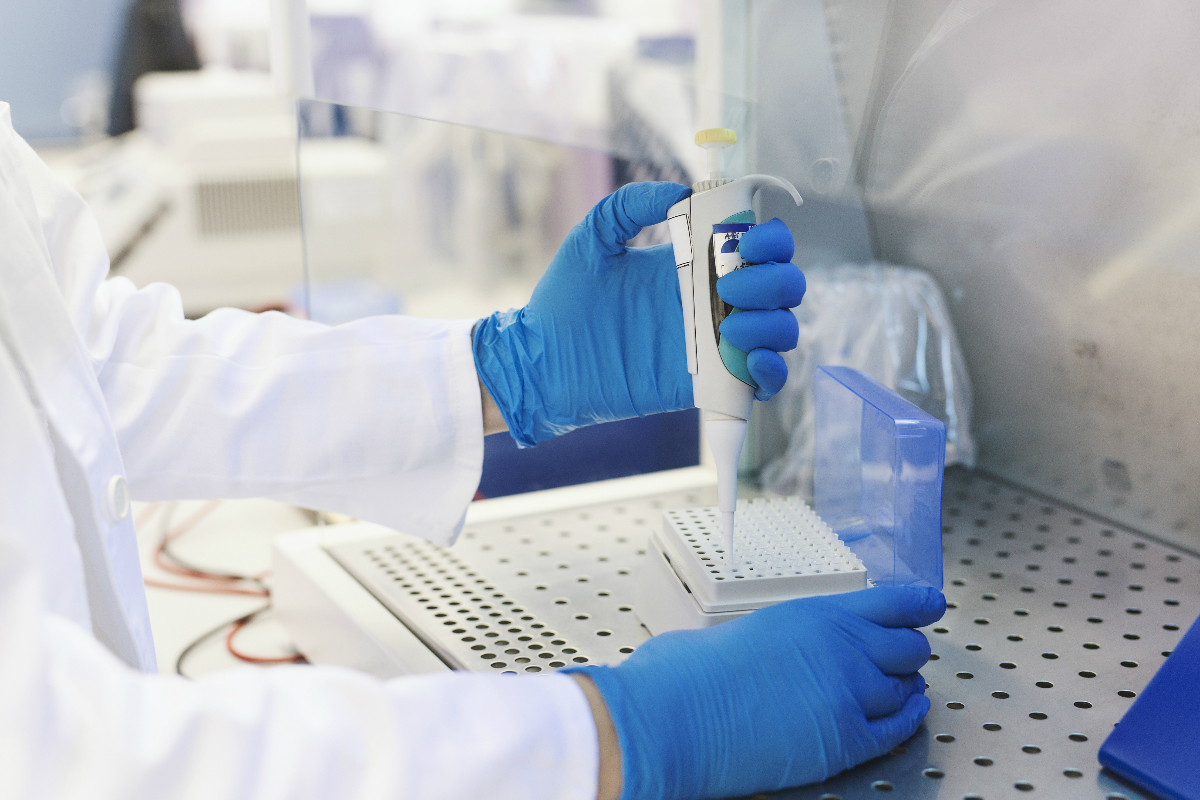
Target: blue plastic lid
(878, 477)
(1154, 744)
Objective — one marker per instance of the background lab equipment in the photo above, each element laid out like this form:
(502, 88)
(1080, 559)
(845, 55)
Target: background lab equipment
(1036, 160)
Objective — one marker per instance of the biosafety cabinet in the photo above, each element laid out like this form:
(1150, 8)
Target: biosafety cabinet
(1037, 160)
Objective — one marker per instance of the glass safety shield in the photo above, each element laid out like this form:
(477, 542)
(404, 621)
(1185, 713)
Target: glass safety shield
(446, 150)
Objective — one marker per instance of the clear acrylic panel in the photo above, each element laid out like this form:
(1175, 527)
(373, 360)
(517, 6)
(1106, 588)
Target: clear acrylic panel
(432, 219)
(878, 477)
(562, 71)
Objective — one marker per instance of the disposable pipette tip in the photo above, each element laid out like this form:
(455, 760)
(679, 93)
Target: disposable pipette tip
(727, 530)
(725, 438)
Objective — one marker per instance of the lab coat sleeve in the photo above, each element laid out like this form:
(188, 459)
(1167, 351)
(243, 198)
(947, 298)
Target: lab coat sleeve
(76, 723)
(379, 418)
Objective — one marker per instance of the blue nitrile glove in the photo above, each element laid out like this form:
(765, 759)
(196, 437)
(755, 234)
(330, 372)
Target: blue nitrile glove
(788, 695)
(764, 292)
(602, 337)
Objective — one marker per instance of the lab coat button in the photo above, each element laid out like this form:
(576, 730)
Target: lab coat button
(116, 500)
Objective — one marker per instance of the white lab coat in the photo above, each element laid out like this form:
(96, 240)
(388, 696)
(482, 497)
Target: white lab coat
(101, 382)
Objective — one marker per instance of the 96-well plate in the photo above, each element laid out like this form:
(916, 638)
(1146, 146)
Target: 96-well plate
(782, 549)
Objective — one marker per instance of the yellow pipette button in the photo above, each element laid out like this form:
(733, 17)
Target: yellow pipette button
(716, 136)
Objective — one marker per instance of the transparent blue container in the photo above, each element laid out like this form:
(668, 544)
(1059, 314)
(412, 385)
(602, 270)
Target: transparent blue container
(878, 477)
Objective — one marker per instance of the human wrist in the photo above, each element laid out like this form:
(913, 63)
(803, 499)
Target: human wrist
(608, 783)
(494, 368)
(493, 420)
(649, 717)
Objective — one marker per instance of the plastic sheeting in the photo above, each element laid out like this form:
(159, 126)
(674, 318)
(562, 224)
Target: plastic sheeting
(890, 322)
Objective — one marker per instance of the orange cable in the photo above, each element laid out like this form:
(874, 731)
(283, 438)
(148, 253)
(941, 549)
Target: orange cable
(157, 584)
(160, 561)
(146, 514)
(210, 582)
(237, 626)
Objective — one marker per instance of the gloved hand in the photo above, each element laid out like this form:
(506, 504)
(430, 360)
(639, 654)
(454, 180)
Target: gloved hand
(787, 695)
(602, 337)
(764, 292)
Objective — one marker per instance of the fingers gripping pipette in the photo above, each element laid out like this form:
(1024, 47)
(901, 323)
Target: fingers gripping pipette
(704, 230)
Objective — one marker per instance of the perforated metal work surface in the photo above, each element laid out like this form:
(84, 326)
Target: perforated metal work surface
(522, 595)
(1057, 621)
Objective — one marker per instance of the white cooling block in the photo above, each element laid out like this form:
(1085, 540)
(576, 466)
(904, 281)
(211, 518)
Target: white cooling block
(782, 550)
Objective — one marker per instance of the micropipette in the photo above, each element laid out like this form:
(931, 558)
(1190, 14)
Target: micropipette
(704, 232)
